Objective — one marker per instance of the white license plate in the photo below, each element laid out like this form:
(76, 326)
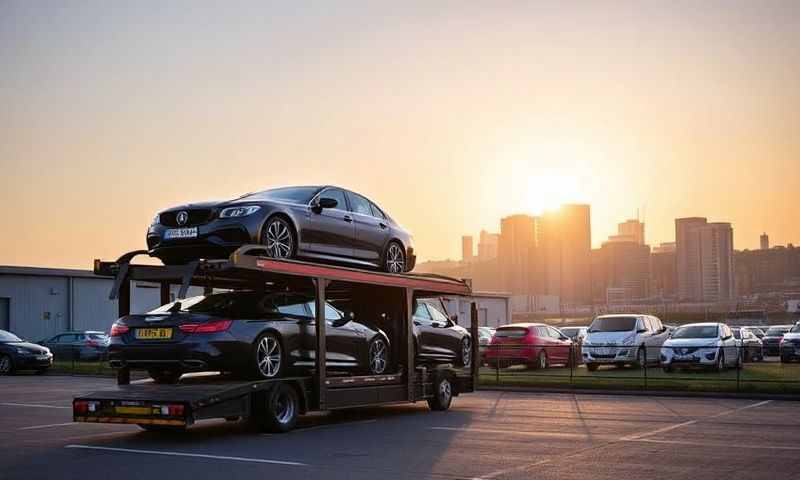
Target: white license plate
(42, 357)
(176, 233)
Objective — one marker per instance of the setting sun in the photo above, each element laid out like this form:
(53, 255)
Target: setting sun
(549, 190)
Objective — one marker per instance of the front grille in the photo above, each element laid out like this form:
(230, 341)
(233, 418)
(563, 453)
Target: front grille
(685, 350)
(197, 216)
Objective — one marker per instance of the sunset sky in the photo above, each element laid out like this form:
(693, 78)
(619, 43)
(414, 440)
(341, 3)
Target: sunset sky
(448, 114)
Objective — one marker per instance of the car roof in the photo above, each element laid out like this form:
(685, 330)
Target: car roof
(623, 315)
(524, 325)
(702, 324)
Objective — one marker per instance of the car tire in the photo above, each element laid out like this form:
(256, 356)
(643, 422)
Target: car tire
(268, 358)
(6, 365)
(442, 395)
(394, 259)
(165, 377)
(378, 356)
(280, 238)
(592, 367)
(465, 359)
(277, 410)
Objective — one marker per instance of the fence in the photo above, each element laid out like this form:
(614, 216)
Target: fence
(681, 368)
(80, 359)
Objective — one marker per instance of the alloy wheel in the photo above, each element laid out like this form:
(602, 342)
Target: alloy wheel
(5, 364)
(445, 391)
(395, 259)
(284, 408)
(542, 360)
(280, 243)
(268, 356)
(466, 352)
(377, 356)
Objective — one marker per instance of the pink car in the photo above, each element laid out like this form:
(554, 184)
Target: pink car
(533, 344)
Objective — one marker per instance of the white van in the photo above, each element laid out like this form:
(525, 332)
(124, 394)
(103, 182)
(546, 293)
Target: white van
(623, 339)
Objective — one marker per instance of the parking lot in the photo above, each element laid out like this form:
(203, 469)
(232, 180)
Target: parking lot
(485, 435)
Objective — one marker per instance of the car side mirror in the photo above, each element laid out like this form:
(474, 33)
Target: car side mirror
(326, 202)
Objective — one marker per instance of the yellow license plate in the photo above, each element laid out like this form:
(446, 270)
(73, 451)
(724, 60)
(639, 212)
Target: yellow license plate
(134, 410)
(154, 333)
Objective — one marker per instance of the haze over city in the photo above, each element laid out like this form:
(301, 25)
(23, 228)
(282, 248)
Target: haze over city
(450, 116)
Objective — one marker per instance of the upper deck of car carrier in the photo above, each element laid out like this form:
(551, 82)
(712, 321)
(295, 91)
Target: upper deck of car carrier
(214, 396)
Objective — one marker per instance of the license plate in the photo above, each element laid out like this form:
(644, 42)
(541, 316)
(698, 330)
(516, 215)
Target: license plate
(133, 410)
(178, 233)
(42, 357)
(153, 333)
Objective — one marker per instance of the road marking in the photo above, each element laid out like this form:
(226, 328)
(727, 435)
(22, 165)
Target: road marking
(713, 444)
(191, 455)
(639, 436)
(33, 405)
(37, 427)
(521, 432)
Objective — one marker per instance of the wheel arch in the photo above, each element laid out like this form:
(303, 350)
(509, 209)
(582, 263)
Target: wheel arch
(285, 216)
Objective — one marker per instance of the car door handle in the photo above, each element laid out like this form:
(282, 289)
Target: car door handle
(347, 218)
(383, 225)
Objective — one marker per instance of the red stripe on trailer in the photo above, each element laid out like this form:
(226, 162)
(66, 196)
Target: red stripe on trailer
(351, 275)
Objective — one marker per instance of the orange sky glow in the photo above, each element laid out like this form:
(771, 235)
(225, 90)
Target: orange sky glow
(449, 116)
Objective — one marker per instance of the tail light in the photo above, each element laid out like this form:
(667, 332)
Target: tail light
(119, 329)
(84, 406)
(209, 327)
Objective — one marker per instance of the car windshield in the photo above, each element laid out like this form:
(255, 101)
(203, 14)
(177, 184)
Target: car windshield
(696, 331)
(737, 334)
(776, 331)
(8, 337)
(510, 332)
(613, 324)
(301, 195)
(484, 332)
(795, 329)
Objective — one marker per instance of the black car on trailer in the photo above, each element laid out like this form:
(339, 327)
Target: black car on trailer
(274, 404)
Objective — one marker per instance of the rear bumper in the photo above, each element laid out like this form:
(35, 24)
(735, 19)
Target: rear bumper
(188, 357)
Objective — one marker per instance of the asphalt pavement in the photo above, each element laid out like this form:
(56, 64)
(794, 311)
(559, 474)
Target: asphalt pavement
(486, 435)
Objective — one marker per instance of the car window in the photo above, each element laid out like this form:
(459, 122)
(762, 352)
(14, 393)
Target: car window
(553, 332)
(540, 332)
(292, 305)
(359, 204)
(8, 337)
(377, 212)
(331, 312)
(696, 331)
(337, 195)
(286, 194)
(422, 315)
(657, 325)
(437, 315)
(68, 338)
(613, 324)
(511, 332)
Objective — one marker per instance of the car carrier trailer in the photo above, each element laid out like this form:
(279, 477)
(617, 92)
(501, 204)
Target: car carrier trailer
(274, 404)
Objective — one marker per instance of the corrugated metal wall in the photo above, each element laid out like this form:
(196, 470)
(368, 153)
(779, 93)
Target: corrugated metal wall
(43, 306)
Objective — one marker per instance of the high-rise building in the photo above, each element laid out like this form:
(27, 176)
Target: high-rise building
(466, 248)
(632, 230)
(663, 272)
(517, 241)
(566, 241)
(487, 246)
(704, 259)
(624, 267)
(764, 241)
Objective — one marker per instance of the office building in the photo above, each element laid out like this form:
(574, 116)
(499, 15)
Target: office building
(565, 248)
(764, 241)
(704, 260)
(466, 248)
(516, 244)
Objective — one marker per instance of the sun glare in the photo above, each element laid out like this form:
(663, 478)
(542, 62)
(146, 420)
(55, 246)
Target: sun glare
(550, 190)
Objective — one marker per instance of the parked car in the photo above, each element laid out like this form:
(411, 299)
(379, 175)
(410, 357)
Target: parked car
(322, 223)
(790, 345)
(577, 335)
(757, 331)
(623, 339)
(437, 338)
(17, 354)
(262, 335)
(772, 339)
(532, 344)
(700, 345)
(750, 346)
(80, 345)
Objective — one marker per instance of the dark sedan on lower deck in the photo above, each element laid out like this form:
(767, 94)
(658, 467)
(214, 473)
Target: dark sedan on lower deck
(320, 223)
(17, 354)
(266, 335)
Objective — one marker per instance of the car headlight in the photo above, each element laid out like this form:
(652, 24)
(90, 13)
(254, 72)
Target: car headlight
(231, 212)
(23, 351)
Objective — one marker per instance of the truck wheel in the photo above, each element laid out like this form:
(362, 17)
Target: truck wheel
(442, 396)
(278, 410)
(167, 377)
